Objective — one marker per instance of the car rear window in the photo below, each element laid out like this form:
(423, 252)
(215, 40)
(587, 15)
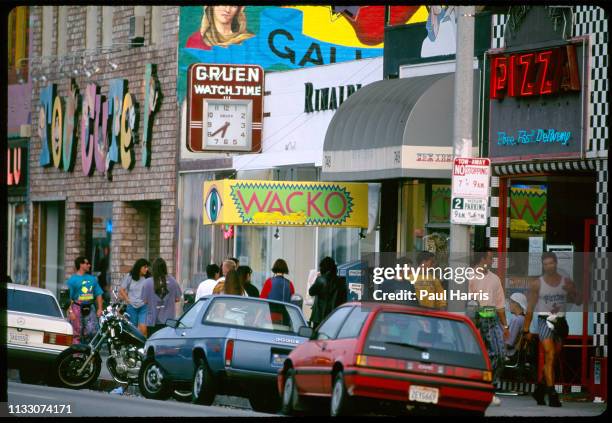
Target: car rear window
(33, 302)
(254, 314)
(408, 336)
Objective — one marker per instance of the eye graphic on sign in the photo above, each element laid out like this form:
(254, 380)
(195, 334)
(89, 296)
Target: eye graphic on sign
(213, 204)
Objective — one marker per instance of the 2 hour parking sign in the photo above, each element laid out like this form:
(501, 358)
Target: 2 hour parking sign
(470, 191)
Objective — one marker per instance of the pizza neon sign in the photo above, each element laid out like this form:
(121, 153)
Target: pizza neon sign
(535, 73)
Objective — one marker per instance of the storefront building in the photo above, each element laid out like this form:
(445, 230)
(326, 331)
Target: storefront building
(18, 140)
(314, 58)
(548, 142)
(399, 131)
(102, 158)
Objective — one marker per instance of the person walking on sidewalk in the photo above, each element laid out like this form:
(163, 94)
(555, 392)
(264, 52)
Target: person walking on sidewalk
(227, 266)
(244, 273)
(329, 291)
(278, 287)
(85, 302)
(161, 292)
(549, 295)
(213, 272)
(491, 314)
(131, 293)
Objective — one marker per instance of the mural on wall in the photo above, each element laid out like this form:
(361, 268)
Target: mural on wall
(441, 32)
(528, 208)
(284, 37)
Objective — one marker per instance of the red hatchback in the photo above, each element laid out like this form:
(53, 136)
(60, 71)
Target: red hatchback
(406, 356)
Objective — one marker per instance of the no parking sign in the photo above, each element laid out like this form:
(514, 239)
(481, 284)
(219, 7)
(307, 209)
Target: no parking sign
(470, 191)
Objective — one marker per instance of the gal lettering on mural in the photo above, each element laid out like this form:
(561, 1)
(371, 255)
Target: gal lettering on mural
(103, 143)
(284, 37)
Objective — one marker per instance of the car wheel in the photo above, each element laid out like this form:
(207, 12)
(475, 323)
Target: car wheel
(203, 392)
(291, 399)
(151, 380)
(340, 399)
(181, 395)
(265, 402)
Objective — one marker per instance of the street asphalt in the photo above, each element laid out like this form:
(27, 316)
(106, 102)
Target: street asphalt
(103, 403)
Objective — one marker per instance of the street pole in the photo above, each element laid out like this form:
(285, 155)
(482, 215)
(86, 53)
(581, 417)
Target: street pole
(462, 129)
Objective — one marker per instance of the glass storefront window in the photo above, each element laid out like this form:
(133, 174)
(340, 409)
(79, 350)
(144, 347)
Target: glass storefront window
(18, 243)
(101, 235)
(51, 244)
(198, 245)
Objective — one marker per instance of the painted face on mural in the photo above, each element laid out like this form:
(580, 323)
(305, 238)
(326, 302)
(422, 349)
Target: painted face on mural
(223, 18)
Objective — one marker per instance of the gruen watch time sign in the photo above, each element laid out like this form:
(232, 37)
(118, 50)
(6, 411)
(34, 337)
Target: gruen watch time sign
(225, 107)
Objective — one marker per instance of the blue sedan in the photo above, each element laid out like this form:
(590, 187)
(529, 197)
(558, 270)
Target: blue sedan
(223, 344)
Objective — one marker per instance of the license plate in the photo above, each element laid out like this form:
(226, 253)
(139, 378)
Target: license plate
(423, 394)
(18, 337)
(277, 360)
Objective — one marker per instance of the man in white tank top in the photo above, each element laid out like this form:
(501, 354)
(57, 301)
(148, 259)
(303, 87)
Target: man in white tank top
(548, 296)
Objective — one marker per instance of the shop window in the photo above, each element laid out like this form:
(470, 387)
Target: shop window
(18, 243)
(198, 245)
(18, 38)
(101, 237)
(51, 246)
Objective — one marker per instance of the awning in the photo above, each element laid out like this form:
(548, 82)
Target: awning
(395, 128)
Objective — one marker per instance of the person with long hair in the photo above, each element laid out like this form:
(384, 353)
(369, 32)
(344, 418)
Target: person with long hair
(131, 293)
(232, 284)
(161, 293)
(221, 26)
(244, 273)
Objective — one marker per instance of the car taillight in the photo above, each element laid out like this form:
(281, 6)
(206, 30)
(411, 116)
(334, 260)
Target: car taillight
(362, 360)
(229, 352)
(57, 338)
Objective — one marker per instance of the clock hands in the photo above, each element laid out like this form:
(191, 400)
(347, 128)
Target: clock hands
(223, 128)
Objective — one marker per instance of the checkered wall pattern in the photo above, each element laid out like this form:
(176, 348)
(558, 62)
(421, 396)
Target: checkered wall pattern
(591, 21)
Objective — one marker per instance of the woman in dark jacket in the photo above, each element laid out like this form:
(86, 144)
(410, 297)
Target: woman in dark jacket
(329, 291)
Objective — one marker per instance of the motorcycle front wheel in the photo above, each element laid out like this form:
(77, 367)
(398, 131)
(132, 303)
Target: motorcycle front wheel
(69, 361)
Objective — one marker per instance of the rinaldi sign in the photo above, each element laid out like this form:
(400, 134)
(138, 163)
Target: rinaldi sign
(285, 203)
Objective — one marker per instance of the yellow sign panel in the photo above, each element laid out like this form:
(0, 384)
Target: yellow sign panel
(285, 203)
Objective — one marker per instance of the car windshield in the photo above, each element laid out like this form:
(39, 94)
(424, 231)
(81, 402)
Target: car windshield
(408, 336)
(254, 314)
(33, 302)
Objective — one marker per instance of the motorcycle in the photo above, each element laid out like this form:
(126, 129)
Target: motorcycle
(79, 366)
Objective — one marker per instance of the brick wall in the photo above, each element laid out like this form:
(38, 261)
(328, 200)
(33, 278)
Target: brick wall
(154, 184)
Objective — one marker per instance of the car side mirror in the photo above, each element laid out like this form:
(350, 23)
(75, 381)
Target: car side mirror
(173, 323)
(306, 332)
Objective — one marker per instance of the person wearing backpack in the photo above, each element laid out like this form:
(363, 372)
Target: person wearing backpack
(131, 293)
(278, 287)
(329, 291)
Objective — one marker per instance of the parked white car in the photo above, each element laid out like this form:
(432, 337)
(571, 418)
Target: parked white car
(37, 332)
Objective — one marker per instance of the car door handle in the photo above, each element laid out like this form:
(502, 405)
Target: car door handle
(184, 333)
(323, 347)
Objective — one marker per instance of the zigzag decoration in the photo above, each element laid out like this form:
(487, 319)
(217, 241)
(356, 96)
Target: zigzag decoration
(272, 186)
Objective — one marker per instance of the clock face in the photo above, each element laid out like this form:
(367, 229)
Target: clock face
(227, 125)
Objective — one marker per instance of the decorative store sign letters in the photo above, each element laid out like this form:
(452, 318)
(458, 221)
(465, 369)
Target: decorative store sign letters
(534, 73)
(108, 126)
(15, 166)
(285, 203)
(326, 98)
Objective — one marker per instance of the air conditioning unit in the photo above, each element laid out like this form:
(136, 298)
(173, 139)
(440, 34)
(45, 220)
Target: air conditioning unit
(137, 30)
